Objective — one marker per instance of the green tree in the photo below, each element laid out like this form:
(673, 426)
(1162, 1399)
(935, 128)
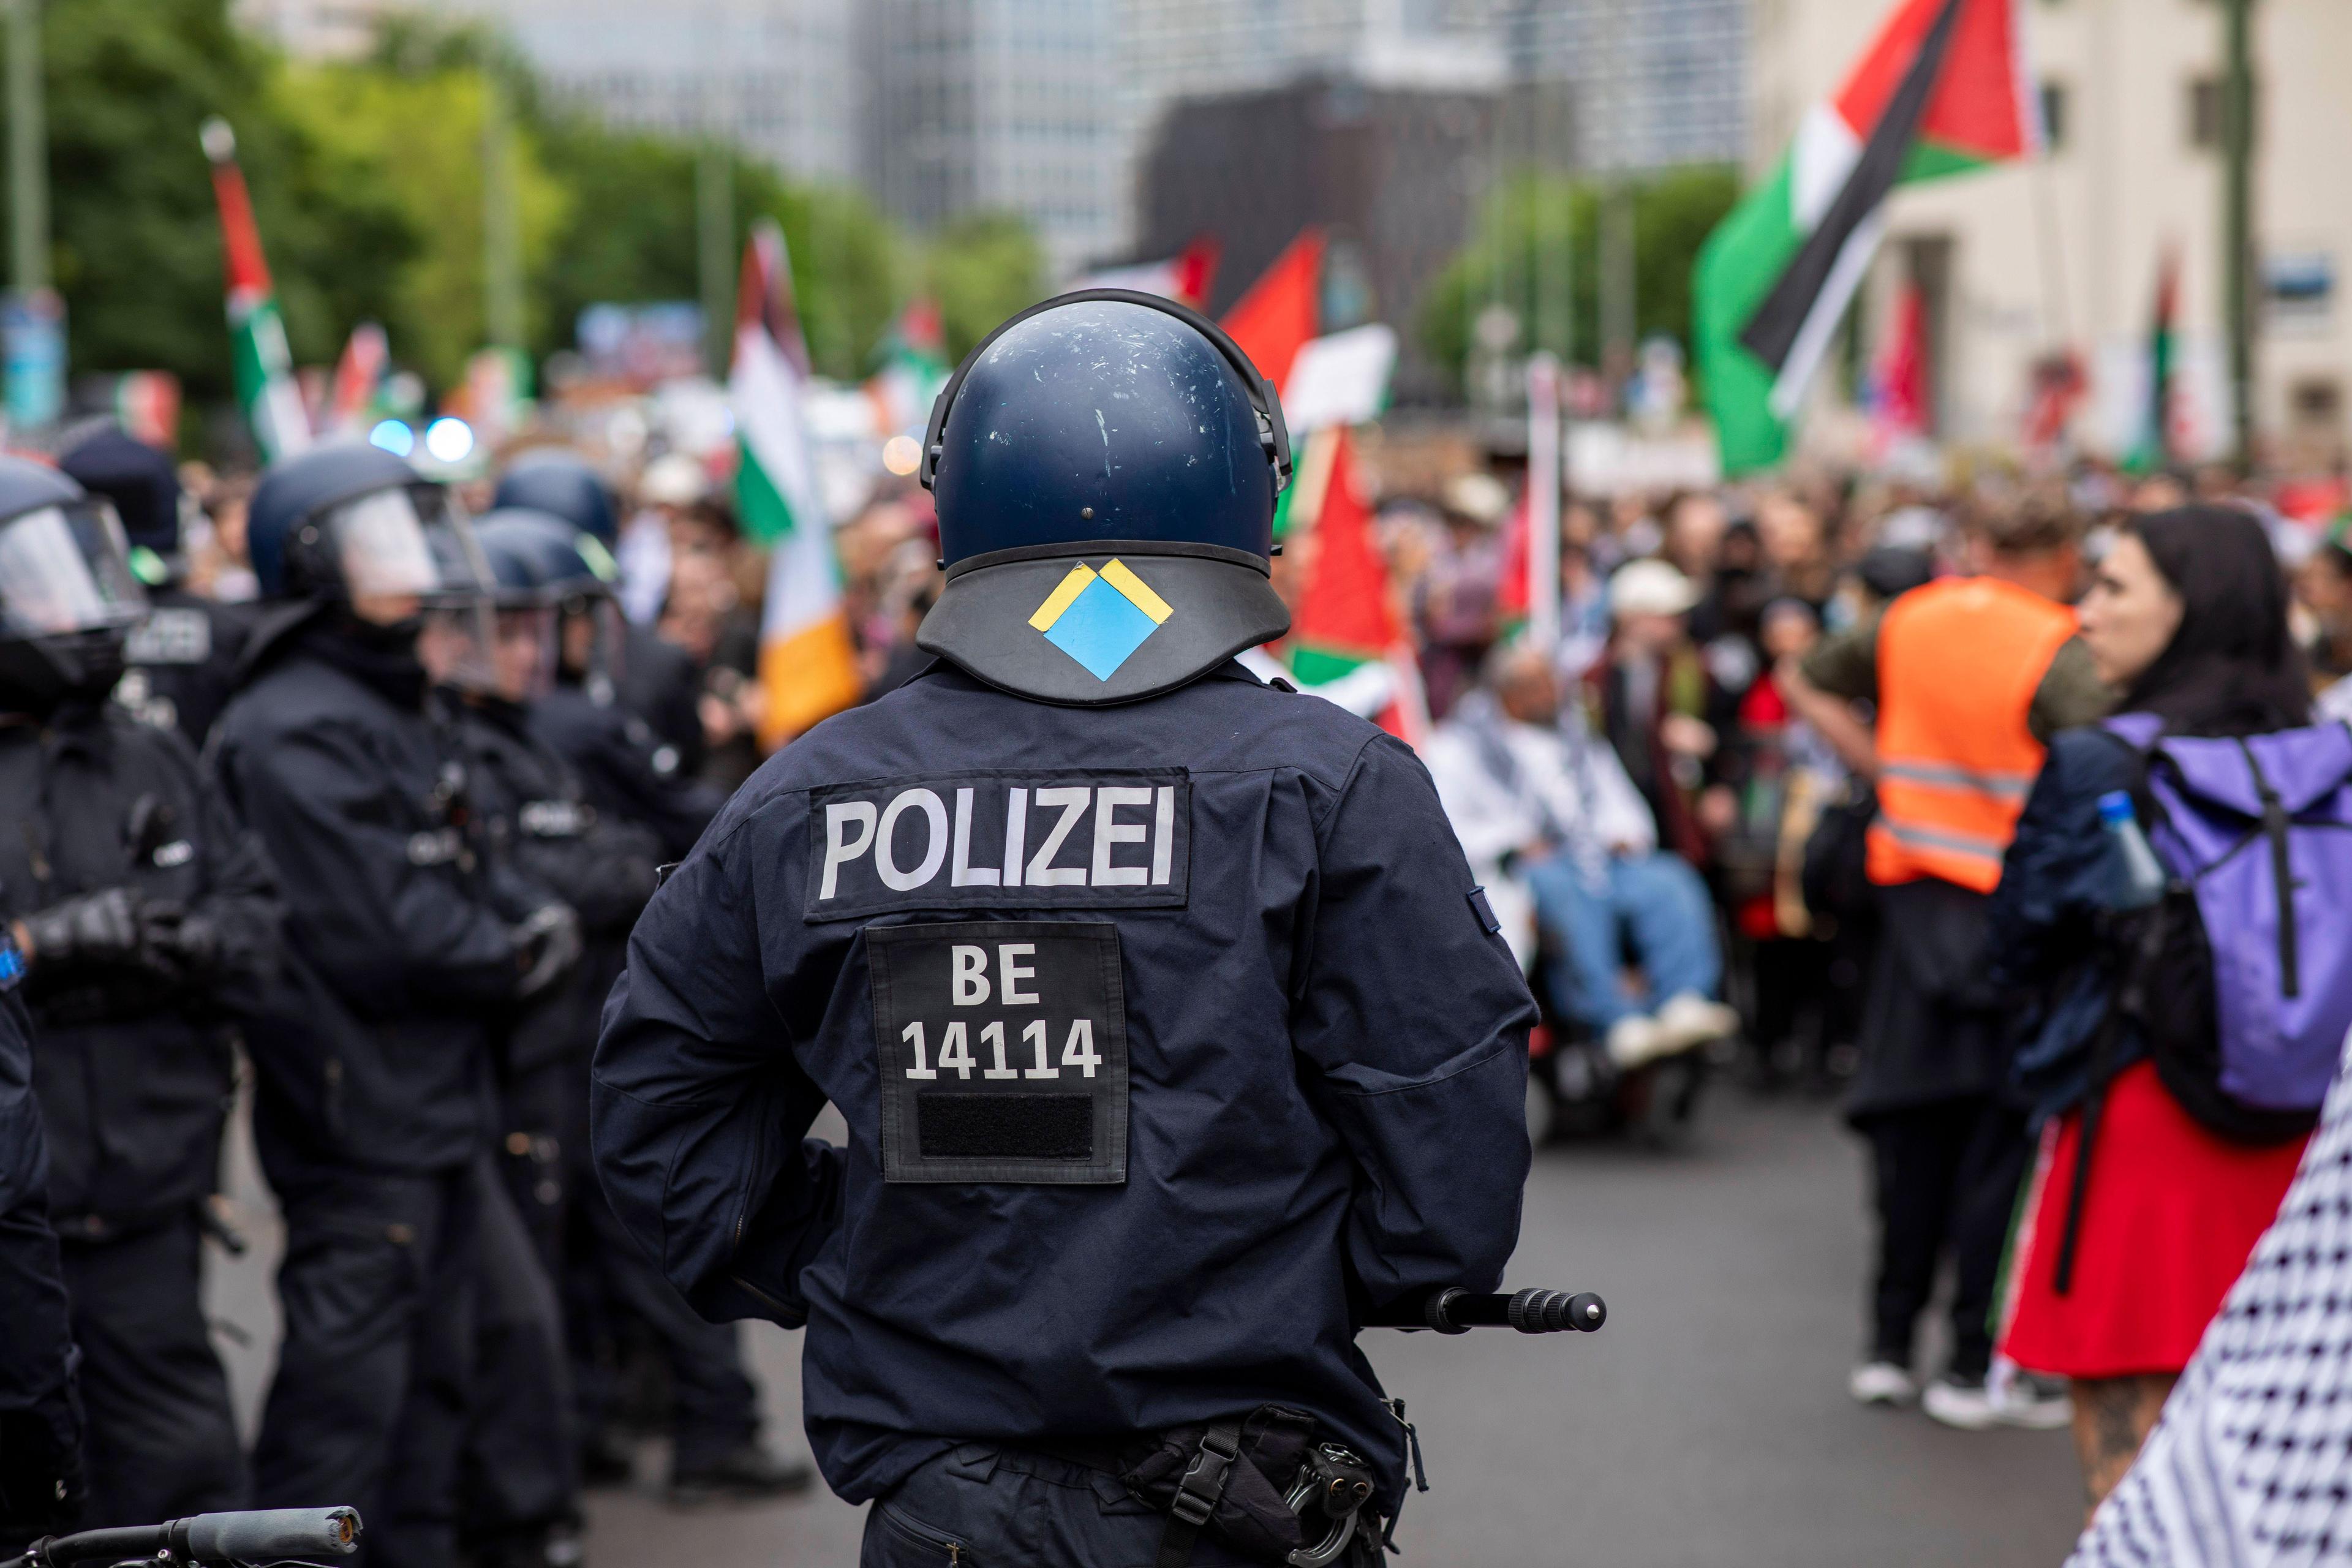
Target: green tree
(135, 236)
(1536, 224)
(421, 130)
(981, 268)
(632, 236)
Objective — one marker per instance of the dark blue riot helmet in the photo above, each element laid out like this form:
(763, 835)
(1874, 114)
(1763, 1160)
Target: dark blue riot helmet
(68, 597)
(544, 566)
(543, 558)
(340, 522)
(144, 487)
(562, 484)
(1106, 467)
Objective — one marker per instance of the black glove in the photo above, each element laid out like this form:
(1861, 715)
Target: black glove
(548, 944)
(177, 944)
(94, 930)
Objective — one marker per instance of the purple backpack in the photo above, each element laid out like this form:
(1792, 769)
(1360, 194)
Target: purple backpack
(2243, 983)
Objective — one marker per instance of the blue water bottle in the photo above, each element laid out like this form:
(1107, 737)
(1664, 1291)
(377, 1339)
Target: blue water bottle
(2134, 877)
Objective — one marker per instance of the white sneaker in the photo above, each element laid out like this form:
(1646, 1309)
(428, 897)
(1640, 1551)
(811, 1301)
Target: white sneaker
(1882, 1382)
(2029, 1400)
(1691, 1019)
(1964, 1403)
(1637, 1040)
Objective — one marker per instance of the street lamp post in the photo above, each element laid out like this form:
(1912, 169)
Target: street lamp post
(28, 153)
(2237, 218)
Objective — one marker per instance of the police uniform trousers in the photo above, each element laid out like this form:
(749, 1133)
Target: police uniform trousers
(369, 1401)
(521, 1469)
(1000, 1507)
(613, 1296)
(161, 1442)
(1947, 1146)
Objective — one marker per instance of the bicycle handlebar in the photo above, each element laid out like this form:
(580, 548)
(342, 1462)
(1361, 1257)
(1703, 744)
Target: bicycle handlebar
(268, 1535)
(1451, 1310)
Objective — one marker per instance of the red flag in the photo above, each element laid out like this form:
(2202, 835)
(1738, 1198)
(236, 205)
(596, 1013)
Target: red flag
(248, 274)
(1344, 609)
(1283, 310)
(1346, 614)
(1898, 380)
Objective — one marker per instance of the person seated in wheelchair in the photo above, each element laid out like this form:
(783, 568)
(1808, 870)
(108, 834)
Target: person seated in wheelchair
(1568, 850)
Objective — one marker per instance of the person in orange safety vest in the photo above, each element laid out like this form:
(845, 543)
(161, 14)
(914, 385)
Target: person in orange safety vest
(1969, 675)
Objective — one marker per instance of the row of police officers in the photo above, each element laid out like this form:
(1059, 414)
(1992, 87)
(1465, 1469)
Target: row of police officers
(388, 827)
(1173, 1040)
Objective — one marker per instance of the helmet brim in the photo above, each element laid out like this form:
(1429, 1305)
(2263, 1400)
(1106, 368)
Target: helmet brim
(1015, 618)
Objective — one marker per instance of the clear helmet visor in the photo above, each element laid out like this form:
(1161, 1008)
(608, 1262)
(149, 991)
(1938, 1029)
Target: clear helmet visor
(65, 570)
(524, 653)
(458, 642)
(380, 547)
(592, 637)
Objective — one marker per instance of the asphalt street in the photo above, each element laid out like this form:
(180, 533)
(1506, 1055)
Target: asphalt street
(1708, 1425)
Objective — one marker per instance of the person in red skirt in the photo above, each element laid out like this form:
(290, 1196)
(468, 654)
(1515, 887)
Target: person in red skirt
(2186, 618)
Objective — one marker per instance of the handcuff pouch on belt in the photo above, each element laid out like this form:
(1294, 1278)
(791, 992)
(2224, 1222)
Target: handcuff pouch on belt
(1221, 1478)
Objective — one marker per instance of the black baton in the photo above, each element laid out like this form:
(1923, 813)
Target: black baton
(1451, 1310)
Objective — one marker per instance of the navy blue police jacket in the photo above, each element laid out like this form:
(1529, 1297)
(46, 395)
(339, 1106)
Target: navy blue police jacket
(371, 1042)
(40, 1410)
(134, 1066)
(1169, 1037)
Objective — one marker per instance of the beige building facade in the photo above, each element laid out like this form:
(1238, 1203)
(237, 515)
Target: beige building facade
(2024, 262)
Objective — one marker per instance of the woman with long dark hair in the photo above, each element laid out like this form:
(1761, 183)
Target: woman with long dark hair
(2186, 618)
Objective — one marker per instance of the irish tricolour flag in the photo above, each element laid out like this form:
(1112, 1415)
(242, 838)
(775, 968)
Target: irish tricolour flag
(808, 669)
(1943, 89)
(264, 369)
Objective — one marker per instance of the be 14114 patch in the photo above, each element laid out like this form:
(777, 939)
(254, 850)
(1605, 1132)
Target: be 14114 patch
(1003, 1051)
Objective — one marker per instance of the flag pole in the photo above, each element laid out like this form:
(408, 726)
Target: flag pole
(2237, 226)
(1543, 500)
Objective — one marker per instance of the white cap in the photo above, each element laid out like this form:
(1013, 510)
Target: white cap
(1480, 497)
(1650, 588)
(673, 479)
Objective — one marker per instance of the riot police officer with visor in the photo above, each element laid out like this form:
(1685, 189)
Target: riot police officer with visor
(372, 1048)
(145, 918)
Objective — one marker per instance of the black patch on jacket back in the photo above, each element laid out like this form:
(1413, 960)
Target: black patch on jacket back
(1001, 1048)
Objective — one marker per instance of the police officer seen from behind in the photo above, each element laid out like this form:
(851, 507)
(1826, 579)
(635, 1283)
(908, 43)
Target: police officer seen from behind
(372, 1048)
(549, 588)
(40, 1416)
(183, 657)
(1171, 1034)
(655, 679)
(142, 912)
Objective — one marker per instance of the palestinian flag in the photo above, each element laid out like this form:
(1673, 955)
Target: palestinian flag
(264, 367)
(2157, 441)
(1280, 315)
(1348, 637)
(1184, 276)
(1944, 89)
(914, 367)
(1283, 310)
(808, 669)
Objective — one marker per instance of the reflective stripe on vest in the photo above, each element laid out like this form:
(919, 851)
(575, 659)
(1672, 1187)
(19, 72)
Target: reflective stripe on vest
(1958, 662)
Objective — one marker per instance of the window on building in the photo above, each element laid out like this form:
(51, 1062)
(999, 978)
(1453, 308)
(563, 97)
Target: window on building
(2316, 402)
(2205, 111)
(2055, 105)
(2208, 99)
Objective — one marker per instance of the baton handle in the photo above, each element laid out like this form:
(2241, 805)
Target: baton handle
(1451, 1310)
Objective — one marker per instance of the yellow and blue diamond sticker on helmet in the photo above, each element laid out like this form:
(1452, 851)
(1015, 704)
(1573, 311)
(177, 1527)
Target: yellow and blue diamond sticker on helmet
(1100, 618)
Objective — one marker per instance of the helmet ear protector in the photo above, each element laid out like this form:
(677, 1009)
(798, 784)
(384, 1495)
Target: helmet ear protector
(1272, 435)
